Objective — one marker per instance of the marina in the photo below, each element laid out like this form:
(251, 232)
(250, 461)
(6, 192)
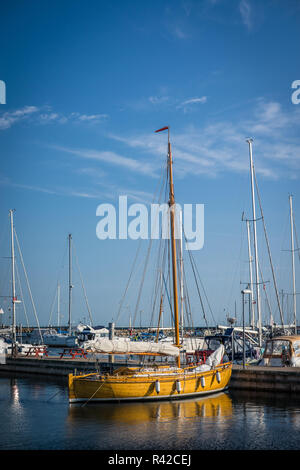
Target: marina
(149, 249)
(253, 378)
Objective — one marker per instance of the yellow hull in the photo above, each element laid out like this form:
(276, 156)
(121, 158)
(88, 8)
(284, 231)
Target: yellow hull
(134, 384)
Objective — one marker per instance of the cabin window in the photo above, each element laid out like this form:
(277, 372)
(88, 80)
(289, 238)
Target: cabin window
(279, 347)
(214, 344)
(268, 349)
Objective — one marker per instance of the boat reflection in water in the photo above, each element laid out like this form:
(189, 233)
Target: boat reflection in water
(218, 405)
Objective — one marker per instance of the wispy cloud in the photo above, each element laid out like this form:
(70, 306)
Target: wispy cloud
(9, 118)
(45, 115)
(108, 190)
(187, 104)
(246, 13)
(220, 146)
(158, 99)
(111, 158)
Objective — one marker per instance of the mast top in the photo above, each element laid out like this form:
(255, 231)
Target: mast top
(164, 129)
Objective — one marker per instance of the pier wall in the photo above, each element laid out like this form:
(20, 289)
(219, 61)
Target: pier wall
(280, 379)
(55, 366)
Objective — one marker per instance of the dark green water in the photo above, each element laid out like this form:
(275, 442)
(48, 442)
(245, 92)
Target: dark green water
(35, 415)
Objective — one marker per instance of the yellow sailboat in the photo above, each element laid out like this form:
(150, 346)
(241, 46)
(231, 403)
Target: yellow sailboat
(157, 381)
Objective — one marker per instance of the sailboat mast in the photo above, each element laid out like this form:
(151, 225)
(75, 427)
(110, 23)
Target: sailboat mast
(181, 276)
(14, 332)
(255, 244)
(250, 273)
(58, 304)
(293, 262)
(172, 207)
(173, 246)
(70, 281)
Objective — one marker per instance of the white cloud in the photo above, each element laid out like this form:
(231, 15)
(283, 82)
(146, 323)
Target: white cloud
(45, 115)
(187, 104)
(246, 13)
(92, 117)
(158, 99)
(9, 118)
(111, 158)
(203, 99)
(220, 147)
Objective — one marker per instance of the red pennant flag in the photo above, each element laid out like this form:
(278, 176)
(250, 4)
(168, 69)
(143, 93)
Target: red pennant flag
(162, 129)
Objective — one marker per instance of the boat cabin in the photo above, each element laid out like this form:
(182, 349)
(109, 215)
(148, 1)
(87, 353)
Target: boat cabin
(282, 351)
(91, 334)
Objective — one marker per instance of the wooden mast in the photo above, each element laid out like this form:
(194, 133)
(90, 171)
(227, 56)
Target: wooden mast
(172, 207)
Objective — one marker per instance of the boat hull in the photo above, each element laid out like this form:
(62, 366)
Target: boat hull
(165, 386)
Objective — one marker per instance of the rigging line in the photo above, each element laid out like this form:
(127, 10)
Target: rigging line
(264, 288)
(59, 269)
(170, 284)
(282, 258)
(137, 252)
(188, 309)
(28, 285)
(142, 281)
(4, 237)
(158, 287)
(82, 284)
(204, 291)
(161, 251)
(195, 270)
(269, 251)
(159, 267)
(52, 308)
(128, 282)
(199, 293)
(187, 318)
(5, 277)
(237, 266)
(168, 297)
(156, 222)
(21, 293)
(296, 238)
(94, 393)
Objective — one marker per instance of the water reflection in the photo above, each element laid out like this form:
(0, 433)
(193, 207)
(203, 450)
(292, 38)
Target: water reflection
(218, 405)
(37, 415)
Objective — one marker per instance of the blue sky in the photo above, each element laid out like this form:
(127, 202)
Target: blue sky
(88, 83)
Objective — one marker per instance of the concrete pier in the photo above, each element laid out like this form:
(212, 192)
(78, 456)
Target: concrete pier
(255, 378)
(59, 367)
(272, 379)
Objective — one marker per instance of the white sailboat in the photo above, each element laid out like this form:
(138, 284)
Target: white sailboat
(16, 347)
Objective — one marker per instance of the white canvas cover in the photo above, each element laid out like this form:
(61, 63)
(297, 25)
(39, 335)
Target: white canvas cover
(104, 345)
(192, 344)
(216, 357)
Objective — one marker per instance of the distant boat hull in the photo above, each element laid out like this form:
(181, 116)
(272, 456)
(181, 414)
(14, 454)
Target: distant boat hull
(60, 341)
(130, 384)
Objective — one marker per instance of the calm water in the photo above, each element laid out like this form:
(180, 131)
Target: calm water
(35, 415)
